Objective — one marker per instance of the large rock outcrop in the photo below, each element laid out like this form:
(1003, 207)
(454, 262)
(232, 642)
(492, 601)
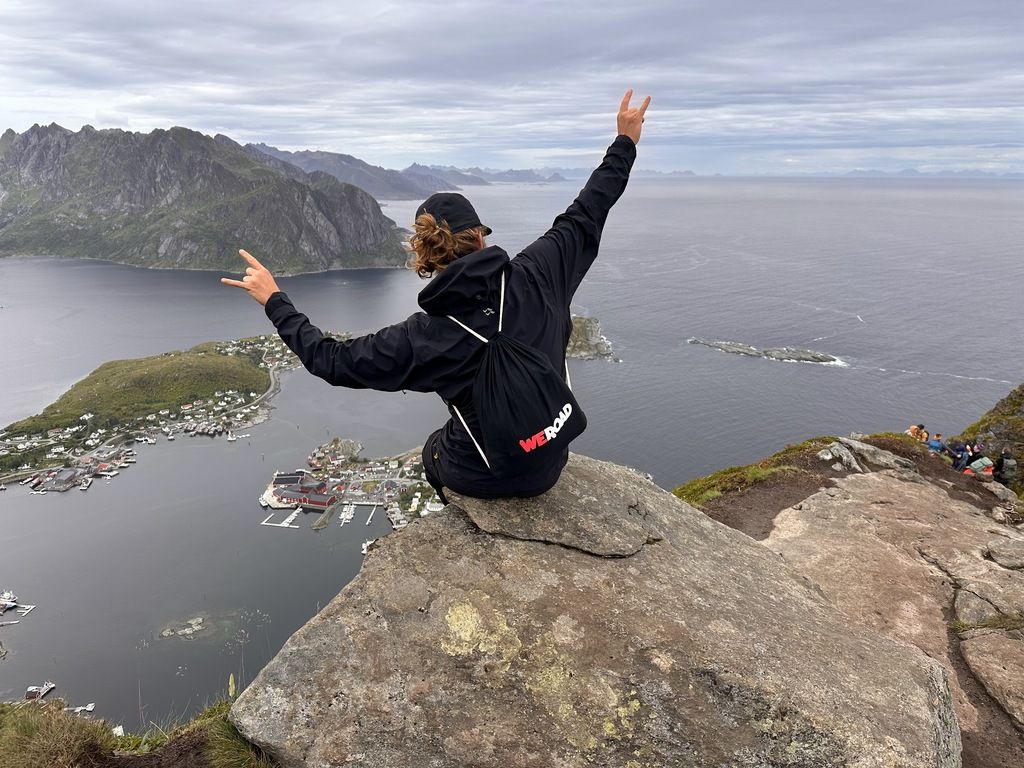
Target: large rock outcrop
(921, 559)
(603, 623)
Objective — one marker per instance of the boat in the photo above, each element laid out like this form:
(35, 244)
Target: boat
(84, 485)
(366, 545)
(79, 710)
(38, 691)
(37, 492)
(3, 487)
(170, 436)
(8, 596)
(231, 437)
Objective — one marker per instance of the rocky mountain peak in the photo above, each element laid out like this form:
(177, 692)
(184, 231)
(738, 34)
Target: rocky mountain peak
(179, 198)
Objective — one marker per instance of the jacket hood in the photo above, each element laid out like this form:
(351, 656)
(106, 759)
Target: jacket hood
(463, 284)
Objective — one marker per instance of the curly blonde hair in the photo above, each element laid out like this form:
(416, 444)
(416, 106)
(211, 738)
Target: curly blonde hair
(434, 246)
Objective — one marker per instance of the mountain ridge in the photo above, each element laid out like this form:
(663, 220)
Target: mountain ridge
(179, 198)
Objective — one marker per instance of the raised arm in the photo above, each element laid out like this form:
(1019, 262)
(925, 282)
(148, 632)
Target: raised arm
(562, 256)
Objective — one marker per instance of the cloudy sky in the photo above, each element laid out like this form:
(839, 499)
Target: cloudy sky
(738, 86)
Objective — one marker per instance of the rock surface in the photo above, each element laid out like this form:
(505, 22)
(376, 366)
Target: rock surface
(603, 623)
(1009, 553)
(903, 555)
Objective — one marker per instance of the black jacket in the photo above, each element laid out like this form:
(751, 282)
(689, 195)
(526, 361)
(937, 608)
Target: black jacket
(429, 353)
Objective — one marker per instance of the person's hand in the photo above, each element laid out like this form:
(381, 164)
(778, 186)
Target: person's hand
(631, 120)
(258, 282)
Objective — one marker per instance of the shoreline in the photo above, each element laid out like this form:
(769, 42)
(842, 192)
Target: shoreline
(55, 257)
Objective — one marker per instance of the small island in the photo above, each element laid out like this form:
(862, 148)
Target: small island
(212, 389)
(587, 342)
(781, 354)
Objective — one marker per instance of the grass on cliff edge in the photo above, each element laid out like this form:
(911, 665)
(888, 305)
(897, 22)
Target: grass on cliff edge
(122, 390)
(702, 490)
(43, 735)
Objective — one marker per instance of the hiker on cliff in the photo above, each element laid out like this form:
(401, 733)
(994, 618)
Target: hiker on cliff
(917, 432)
(1005, 468)
(935, 444)
(482, 311)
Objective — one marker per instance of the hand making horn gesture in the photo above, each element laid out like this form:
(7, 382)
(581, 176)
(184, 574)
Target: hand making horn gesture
(258, 282)
(631, 120)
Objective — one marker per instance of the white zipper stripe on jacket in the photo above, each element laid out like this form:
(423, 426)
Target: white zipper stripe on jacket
(501, 314)
(466, 426)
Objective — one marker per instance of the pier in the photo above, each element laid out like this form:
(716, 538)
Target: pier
(370, 518)
(286, 523)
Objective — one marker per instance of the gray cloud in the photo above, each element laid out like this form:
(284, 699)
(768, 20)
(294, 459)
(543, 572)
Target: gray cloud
(738, 85)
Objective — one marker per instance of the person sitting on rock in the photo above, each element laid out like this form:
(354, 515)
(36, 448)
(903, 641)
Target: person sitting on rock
(437, 350)
(935, 444)
(1005, 468)
(957, 451)
(917, 432)
(977, 461)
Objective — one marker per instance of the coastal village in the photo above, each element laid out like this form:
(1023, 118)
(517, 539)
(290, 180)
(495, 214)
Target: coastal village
(339, 479)
(336, 484)
(77, 455)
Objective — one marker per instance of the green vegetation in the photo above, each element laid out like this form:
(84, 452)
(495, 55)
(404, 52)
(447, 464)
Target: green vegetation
(1005, 420)
(46, 736)
(1003, 425)
(702, 490)
(996, 622)
(405, 497)
(124, 390)
(43, 735)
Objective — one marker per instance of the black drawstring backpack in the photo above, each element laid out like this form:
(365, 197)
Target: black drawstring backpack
(527, 413)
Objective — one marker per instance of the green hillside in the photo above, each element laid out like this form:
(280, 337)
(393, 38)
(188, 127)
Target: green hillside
(123, 390)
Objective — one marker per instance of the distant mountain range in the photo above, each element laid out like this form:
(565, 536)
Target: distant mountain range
(914, 173)
(178, 198)
(414, 183)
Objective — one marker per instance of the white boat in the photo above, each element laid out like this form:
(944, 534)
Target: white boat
(170, 436)
(3, 487)
(38, 691)
(79, 710)
(366, 545)
(38, 493)
(231, 437)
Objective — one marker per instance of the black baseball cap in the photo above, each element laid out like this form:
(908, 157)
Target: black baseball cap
(454, 209)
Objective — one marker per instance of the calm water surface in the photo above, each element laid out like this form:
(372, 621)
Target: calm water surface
(915, 284)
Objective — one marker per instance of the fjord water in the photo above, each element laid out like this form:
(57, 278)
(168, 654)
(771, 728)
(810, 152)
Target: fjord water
(915, 284)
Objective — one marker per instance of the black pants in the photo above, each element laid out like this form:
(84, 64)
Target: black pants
(430, 458)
